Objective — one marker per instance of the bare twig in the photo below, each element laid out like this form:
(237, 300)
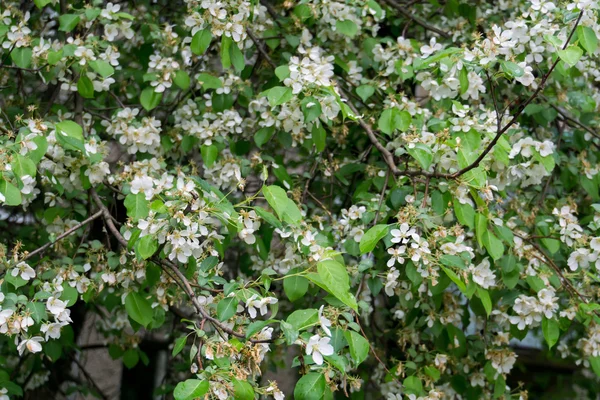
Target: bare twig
(62, 236)
(400, 8)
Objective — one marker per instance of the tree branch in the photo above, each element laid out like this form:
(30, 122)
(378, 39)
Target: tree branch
(63, 235)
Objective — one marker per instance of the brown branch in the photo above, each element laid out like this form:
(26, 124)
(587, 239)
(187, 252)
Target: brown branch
(261, 49)
(62, 236)
(400, 8)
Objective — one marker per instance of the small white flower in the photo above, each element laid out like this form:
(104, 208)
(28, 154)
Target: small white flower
(325, 323)
(33, 345)
(319, 347)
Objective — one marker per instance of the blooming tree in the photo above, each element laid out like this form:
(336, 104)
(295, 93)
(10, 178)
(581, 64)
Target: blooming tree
(394, 192)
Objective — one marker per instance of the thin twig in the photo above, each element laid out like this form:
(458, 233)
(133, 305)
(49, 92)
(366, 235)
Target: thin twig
(62, 236)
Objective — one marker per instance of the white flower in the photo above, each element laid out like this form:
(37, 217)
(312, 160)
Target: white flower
(432, 48)
(33, 345)
(318, 347)
(403, 234)
(396, 254)
(143, 184)
(24, 270)
(325, 323)
(56, 306)
(483, 275)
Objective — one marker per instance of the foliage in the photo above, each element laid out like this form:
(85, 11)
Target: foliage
(396, 193)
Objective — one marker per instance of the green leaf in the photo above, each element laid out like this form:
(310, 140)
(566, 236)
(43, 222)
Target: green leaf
(263, 135)
(278, 95)
(302, 319)
(85, 87)
(295, 287)
(465, 214)
(242, 390)
(103, 68)
(285, 208)
(37, 311)
(512, 69)
(346, 27)
(22, 166)
(146, 246)
(493, 245)
(311, 108)
(68, 22)
(149, 99)
(137, 206)
(12, 195)
(131, 358)
(282, 72)
(484, 296)
(209, 82)
(319, 137)
(359, 346)
(413, 385)
(433, 372)
(190, 389)
(570, 55)
(138, 309)
(225, 55)
(54, 57)
(182, 79)
(310, 387)
(551, 331)
(595, 364)
(454, 278)
(463, 78)
(41, 3)
(200, 41)
(209, 154)
(372, 237)
(237, 57)
(70, 135)
(386, 122)
(365, 91)
(402, 120)
(587, 38)
(422, 153)
(335, 277)
(226, 308)
(21, 56)
(179, 345)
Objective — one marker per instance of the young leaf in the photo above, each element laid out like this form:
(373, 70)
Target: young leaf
(200, 41)
(285, 208)
(85, 87)
(587, 38)
(137, 206)
(346, 27)
(190, 389)
(226, 308)
(149, 99)
(551, 331)
(372, 237)
(422, 153)
(359, 346)
(279, 95)
(570, 55)
(310, 387)
(138, 308)
(335, 278)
